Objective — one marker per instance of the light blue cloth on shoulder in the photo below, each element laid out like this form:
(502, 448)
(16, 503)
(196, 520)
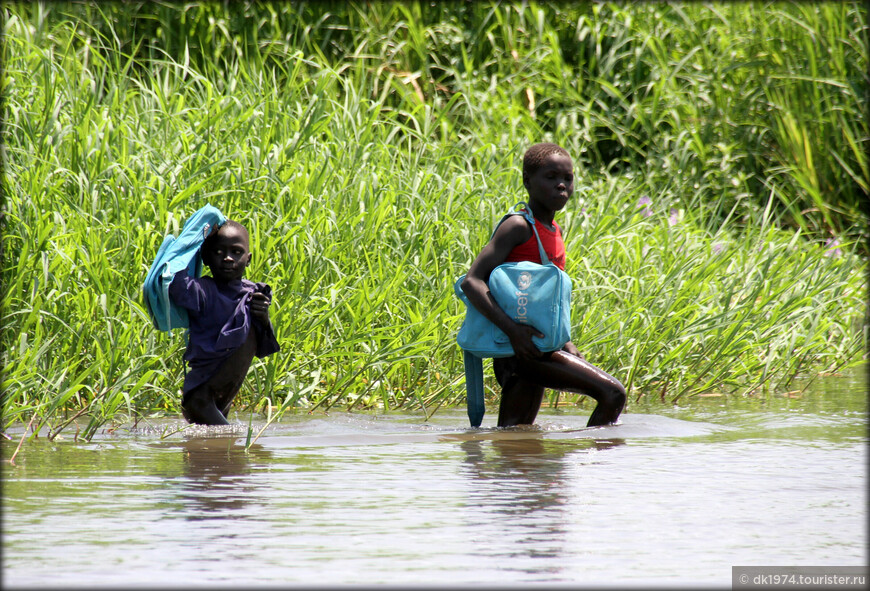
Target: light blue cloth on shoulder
(174, 255)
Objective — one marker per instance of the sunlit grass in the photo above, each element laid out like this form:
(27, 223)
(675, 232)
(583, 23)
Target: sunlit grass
(370, 148)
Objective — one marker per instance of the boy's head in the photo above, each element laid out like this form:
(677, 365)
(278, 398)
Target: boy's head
(534, 157)
(548, 176)
(227, 252)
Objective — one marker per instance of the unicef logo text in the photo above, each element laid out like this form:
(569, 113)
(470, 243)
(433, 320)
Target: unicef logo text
(524, 280)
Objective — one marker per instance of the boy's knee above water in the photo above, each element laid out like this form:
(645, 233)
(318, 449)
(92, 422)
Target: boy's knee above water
(616, 398)
(198, 407)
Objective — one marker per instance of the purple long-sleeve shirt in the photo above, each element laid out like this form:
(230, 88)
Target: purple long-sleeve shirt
(220, 321)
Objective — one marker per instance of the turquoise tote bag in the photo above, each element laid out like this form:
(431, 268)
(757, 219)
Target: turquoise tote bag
(538, 295)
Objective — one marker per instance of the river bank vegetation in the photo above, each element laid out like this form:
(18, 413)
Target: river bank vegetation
(717, 236)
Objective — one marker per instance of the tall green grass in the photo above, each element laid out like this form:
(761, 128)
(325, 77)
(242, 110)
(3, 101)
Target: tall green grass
(369, 148)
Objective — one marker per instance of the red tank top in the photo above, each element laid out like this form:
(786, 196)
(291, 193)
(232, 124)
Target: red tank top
(553, 246)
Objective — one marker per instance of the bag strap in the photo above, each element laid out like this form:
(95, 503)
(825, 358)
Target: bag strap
(474, 387)
(524, 210)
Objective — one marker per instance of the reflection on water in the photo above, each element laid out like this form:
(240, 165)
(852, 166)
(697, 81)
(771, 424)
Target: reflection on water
(530, 473)
(675, 496)
(215, 483)
(524, 485)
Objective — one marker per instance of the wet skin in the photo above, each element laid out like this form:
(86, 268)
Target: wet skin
(227, 255)
(524, 376)
(523, 384)
(209, 404)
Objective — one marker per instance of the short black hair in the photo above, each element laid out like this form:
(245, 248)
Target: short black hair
(228, 224)
(236, 225)
(534, 156)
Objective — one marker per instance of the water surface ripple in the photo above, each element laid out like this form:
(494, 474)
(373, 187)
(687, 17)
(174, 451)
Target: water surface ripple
(668, 496)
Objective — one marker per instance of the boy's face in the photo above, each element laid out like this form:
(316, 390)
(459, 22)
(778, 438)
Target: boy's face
(552, 184)
(227, 253)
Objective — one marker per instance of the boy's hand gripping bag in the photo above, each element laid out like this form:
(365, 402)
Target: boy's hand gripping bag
(538, 295)
(174, 255)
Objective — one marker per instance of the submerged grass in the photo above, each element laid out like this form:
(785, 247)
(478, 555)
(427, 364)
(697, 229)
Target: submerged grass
(716, 238)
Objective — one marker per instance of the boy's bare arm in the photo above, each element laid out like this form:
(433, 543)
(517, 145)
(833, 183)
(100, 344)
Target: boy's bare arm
(512, 232)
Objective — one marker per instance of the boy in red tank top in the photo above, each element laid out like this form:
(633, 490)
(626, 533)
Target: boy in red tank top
(548, 177)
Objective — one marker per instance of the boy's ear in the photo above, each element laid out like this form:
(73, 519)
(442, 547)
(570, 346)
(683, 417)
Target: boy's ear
(248, 262)
(526, 181)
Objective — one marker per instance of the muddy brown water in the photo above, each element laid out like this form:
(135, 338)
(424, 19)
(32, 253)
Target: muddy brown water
(669, 496)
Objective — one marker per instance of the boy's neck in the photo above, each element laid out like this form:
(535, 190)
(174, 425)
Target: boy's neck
(541, 215)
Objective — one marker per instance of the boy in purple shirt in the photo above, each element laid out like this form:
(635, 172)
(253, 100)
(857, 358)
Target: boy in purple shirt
(229, 325)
